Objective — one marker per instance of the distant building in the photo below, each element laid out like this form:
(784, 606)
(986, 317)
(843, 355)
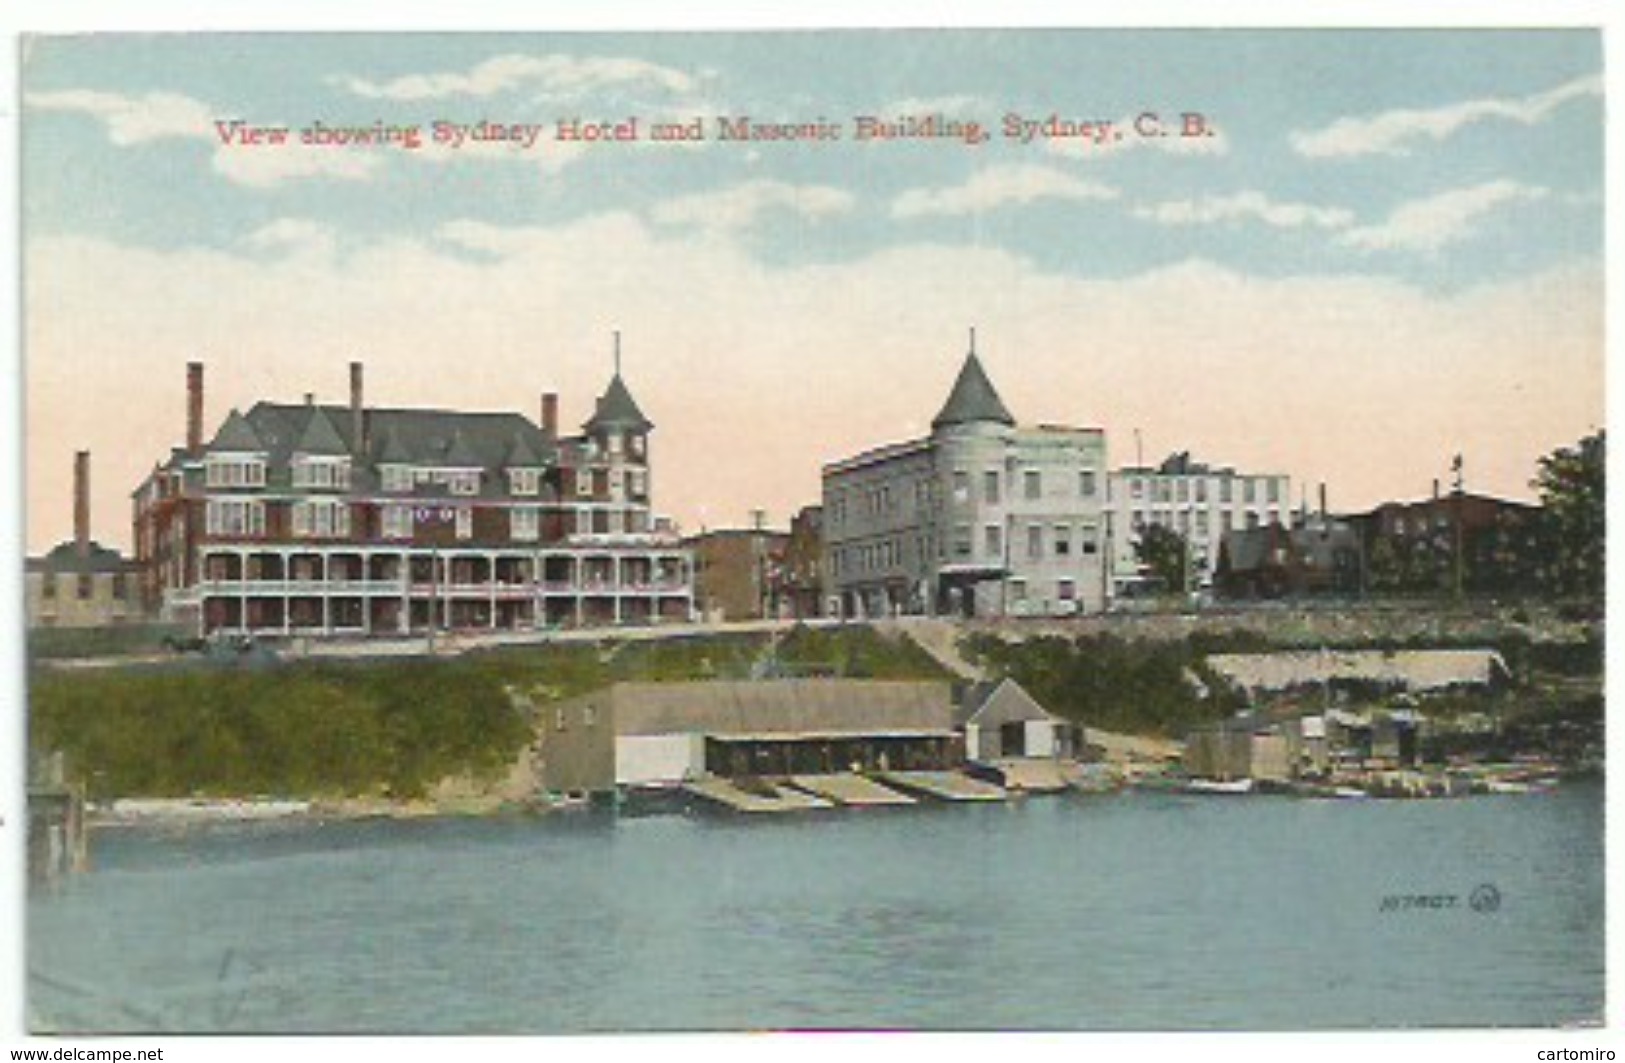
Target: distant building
(636, 735)
(802, 578)
(737, 572)
(81, 583)
(315, 519)
(981, 517)
(1200, 502)
(1412, 546)
(1320, 556)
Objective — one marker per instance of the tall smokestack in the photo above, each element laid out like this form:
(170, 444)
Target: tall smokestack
(550, 416)
(81, 502)
(194, 407)
(358, 412)
(1323, 500)
(1435, 489)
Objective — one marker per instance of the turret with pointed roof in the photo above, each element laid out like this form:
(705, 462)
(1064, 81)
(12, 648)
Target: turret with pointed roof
(973, 399)
(616, 409)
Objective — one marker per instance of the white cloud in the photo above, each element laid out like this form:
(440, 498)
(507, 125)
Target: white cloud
(293, 236)
(741, 205)
(266, 166)
(1212, 210)
(755, 375)
(134, 119)
(550, 75)
(999, 186)
(1447, 218)
(1392, 132)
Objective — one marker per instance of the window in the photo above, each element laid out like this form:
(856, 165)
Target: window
(584, 483)
(616, 442)
(1066, 590)
(1035, 541)
(465, 522)
(995, 540)
(990, 487)
(1090, 543)
(961, 485)
(1136, 488)
(1032, 485)
(1249, 489)
(637, 483)
(1086, 483)
(1201, 523)
(635, 445)
(321, 473)
(524, 481)
(397, 522)
(1227, 521)
(232, 516)
(1226, 489)
(235, 472)
(321, 518)
(1018, 590)
(1201, 490)
(1274, 490)
(463, 482)
(1184, 490)
(584, 522)
(396, 478)
(962, 543)
(1063, 540)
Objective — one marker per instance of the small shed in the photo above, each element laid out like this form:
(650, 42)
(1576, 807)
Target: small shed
(1001, 721)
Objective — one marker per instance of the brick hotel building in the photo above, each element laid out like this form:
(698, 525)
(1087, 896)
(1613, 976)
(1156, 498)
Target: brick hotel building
(318, 519)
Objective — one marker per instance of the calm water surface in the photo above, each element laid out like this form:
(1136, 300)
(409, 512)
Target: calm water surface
(1137, 911)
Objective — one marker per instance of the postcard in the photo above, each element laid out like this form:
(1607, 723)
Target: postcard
(958, 530)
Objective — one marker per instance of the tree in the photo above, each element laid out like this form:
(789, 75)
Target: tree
(1166, 557)
(1572, 482)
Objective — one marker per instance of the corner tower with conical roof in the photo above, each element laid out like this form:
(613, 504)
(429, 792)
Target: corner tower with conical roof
(983, 517)
(974, 400)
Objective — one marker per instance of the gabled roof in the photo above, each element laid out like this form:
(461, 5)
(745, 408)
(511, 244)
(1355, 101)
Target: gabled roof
(320, 437)
(521, 455)
(391, 452)
(617, 409)
(1001, 702)
(973, 399)
(459, 455)
(236, 436)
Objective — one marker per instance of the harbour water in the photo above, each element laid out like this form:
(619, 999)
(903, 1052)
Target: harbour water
(1131, 911)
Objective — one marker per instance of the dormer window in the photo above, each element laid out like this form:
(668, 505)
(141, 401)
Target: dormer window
(318, 473)
(235, 470)
(397, 478)
(615, 443)
(525, 481)
(463, 482)
(636, 446)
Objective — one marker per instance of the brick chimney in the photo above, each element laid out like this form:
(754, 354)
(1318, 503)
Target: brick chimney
(550, 416)
(358, 411)
(194, 408)
(81, 503)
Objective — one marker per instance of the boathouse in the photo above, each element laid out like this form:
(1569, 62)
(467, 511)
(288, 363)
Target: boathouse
(634, 735)
(1001, 720)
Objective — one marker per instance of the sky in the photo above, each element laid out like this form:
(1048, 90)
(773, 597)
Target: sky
(1378, 249)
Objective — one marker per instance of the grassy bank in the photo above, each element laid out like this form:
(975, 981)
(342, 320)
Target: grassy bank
(397, 727)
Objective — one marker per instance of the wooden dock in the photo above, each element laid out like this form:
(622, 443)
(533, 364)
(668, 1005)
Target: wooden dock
(851, 790)
(729, 795)
(945, 785)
